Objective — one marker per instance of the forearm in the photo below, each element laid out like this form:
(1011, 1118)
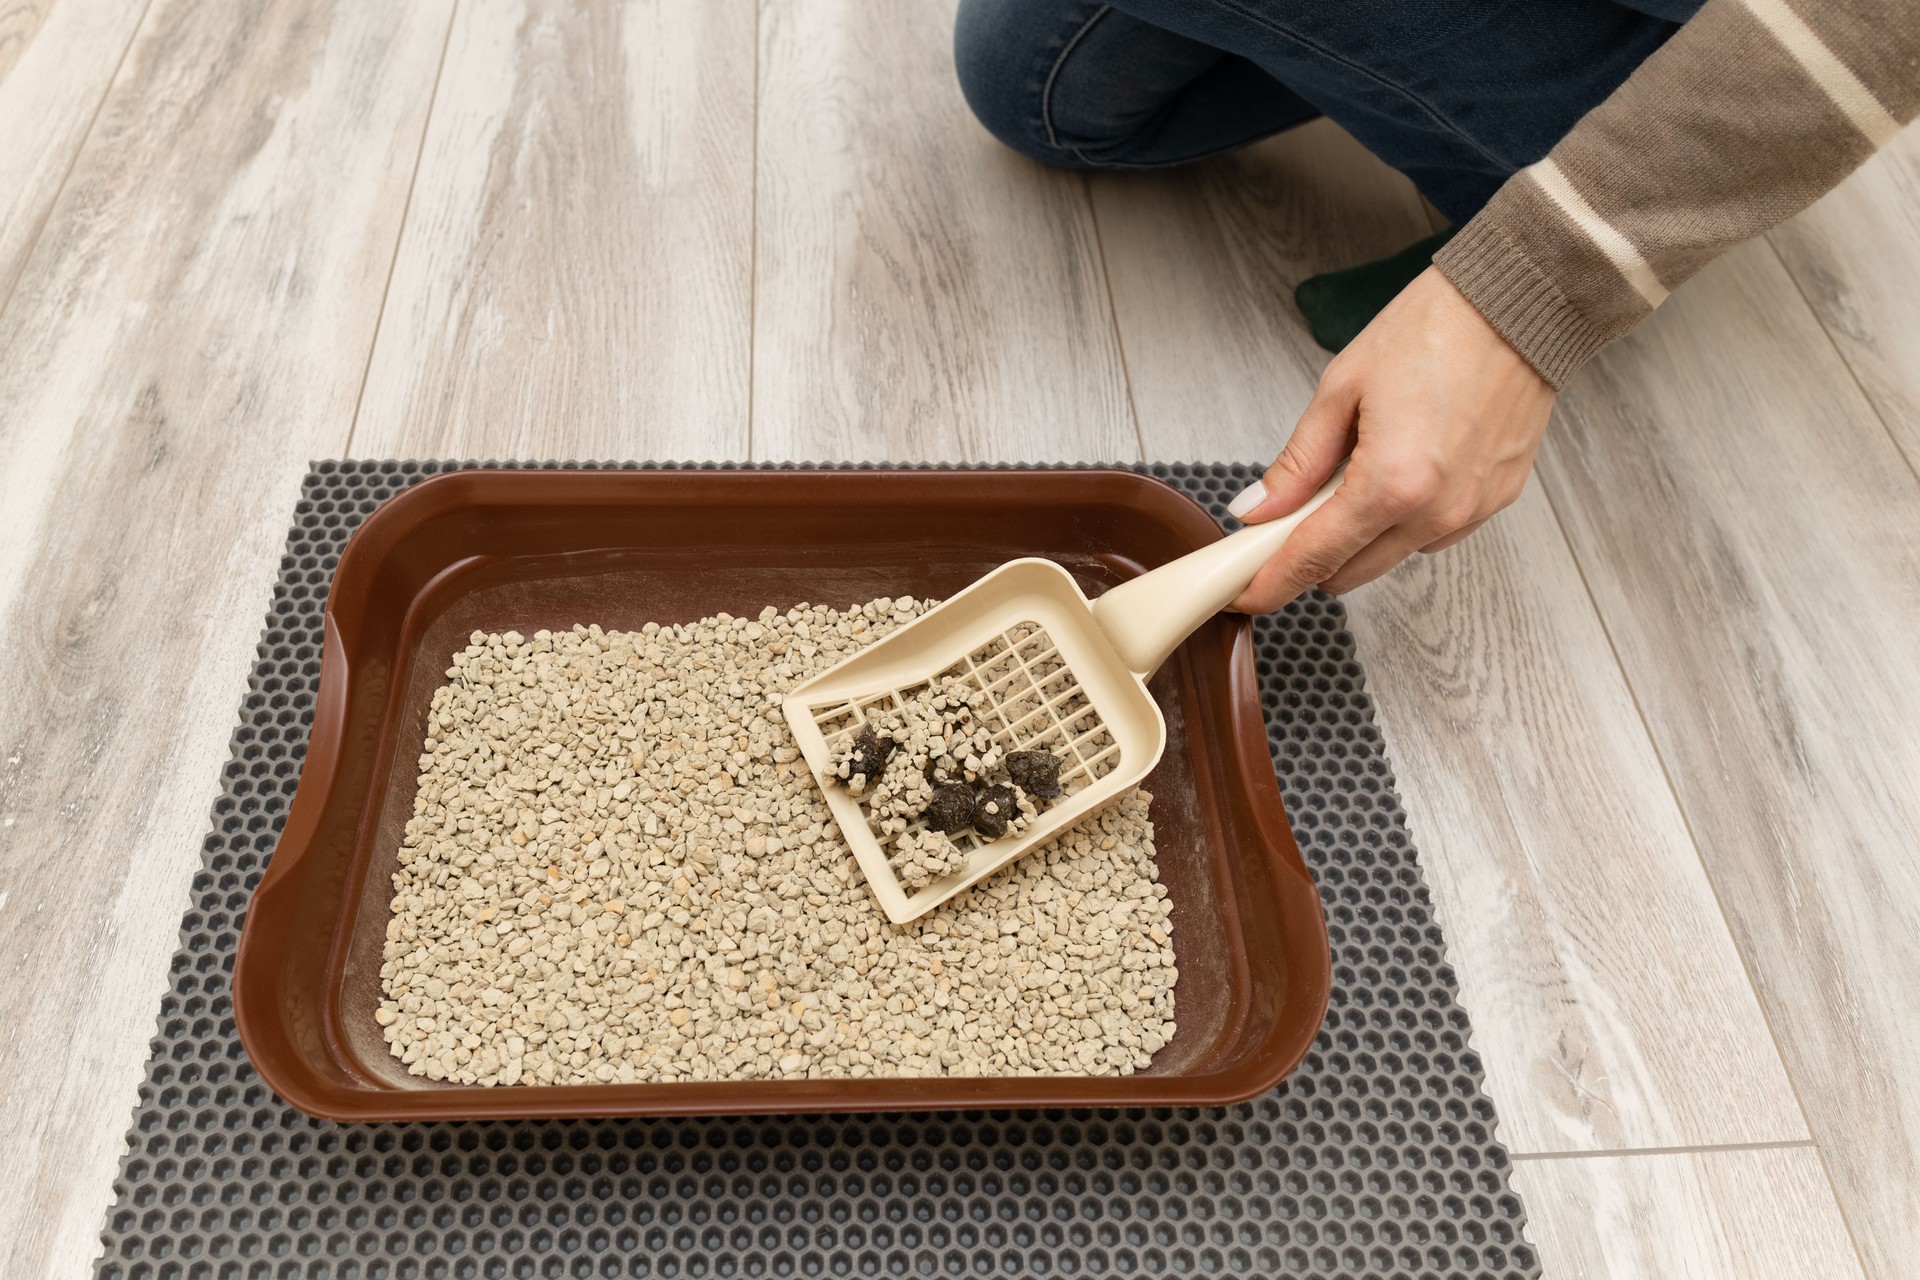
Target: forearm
(1748, 114)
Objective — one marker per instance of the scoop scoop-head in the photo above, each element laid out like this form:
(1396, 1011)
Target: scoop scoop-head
(1061, 674)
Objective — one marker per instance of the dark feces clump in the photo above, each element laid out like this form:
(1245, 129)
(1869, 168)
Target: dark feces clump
(1035, 772)
(868, 754)
(998, 806)
(953, 808)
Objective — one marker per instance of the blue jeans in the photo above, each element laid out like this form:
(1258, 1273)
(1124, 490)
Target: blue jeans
(1456, 94)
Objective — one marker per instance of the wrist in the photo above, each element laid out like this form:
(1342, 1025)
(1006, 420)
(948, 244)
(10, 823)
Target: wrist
(1517, 300)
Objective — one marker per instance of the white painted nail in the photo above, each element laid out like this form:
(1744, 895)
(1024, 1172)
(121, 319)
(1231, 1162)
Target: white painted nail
(1249, 498)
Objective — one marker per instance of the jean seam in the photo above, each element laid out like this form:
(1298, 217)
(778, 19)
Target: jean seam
(1046, 91)
(1383, 82)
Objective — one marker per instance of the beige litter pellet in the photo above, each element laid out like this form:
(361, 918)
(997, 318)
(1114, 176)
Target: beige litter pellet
(619, 869)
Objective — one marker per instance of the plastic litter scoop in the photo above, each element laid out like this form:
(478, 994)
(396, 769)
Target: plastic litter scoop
(1061, 673)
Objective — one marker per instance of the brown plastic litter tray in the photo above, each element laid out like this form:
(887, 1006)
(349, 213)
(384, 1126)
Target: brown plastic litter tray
(493, 550)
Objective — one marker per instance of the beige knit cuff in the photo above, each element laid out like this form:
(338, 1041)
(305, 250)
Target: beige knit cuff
(1519, 300)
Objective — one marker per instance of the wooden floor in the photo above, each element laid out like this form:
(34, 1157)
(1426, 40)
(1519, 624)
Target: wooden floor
(1657, 727)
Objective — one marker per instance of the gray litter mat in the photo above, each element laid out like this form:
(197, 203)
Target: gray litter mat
(1376, 1158)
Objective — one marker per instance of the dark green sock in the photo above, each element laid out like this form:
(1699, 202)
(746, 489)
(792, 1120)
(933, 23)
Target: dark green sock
(1338, 304)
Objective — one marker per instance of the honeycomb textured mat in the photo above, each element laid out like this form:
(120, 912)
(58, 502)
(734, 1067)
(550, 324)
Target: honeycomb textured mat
(1375, 1159)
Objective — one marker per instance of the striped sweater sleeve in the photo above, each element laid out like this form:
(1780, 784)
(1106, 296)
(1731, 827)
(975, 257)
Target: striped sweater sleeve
(1750, 112)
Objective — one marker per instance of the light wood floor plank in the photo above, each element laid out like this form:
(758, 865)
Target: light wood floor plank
(193, 325)
(920, 292)
(1856, 257)
(1203, 261)
(1752, 537)
(57, 58)
(1713, 1215)
(1608, 1002)
(574, 277)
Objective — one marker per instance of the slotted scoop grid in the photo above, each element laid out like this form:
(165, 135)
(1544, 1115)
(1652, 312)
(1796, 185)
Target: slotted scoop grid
(1034, 703)
(1071, 723)
(1057, 681)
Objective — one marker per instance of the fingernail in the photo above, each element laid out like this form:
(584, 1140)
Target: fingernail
(1249, 498)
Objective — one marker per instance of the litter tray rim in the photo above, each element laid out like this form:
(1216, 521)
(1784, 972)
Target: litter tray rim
(261, 958)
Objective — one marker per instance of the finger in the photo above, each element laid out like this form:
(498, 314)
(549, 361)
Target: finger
(1441, 544)
(1320, 441)
(1374, 559)
(1317, 550)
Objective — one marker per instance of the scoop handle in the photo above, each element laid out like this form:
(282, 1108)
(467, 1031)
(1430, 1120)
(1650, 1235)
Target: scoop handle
(1148, 617)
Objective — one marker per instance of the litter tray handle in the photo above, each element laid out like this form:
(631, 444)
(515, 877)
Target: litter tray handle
(1147, 618)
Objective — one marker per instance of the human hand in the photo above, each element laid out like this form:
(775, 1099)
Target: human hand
(1442, 418)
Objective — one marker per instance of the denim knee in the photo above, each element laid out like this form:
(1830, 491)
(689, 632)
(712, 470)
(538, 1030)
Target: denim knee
(1000, 53)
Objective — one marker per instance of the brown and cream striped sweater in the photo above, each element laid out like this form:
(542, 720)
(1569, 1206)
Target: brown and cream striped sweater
(1750, 112)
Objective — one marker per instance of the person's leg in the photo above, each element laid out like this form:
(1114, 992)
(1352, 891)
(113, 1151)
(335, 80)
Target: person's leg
(1456, 94)
(1087, 86)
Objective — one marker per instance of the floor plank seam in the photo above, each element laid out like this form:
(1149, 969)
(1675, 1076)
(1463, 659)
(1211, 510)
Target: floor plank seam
(1113, 313)
(753, 229)
(73, 161)
(400, 236)
(1853, 374)
(1796, 1144)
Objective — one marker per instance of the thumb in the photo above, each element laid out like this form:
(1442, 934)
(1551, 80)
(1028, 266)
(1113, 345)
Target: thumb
(1320, 441)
